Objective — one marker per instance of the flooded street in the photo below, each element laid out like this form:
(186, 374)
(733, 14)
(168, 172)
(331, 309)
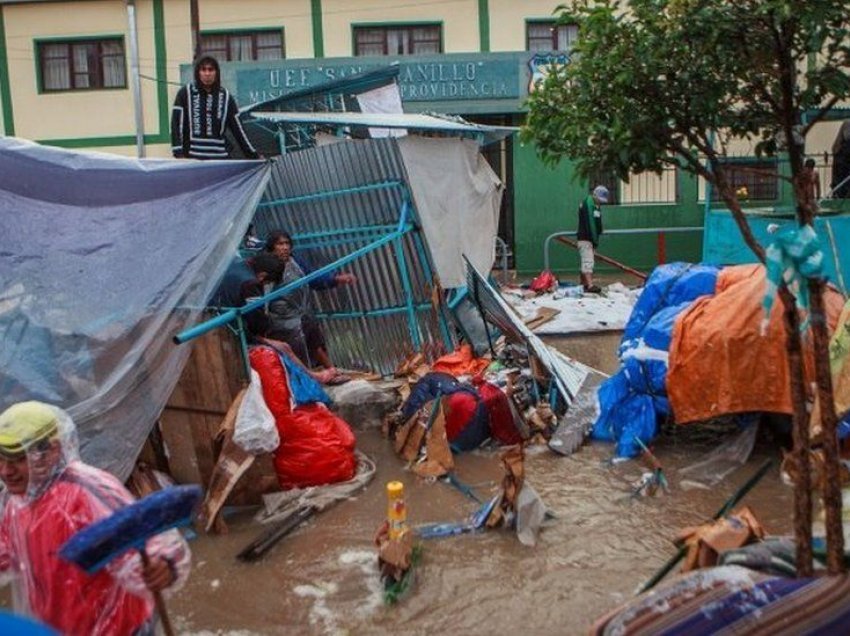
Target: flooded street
(323, 578)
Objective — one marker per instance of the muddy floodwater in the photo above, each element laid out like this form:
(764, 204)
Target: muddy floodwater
(323, 579)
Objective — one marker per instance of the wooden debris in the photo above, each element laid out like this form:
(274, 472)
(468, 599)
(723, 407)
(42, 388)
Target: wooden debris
(232, 463)
(543, 315)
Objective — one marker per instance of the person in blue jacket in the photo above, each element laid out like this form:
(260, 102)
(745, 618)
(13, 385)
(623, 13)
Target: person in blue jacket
(291, 317)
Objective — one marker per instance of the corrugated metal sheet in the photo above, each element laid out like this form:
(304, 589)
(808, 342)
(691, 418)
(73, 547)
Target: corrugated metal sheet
(373, 337)
(567, 373)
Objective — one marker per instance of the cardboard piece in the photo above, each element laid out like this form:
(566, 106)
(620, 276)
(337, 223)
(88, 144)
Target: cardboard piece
(513, 460)
(394, 555)
(706, 542)
(438, 455)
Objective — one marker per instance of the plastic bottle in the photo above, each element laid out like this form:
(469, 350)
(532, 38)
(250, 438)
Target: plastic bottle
(396, 510)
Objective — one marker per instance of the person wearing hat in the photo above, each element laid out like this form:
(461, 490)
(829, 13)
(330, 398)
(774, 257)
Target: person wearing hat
(49, 495)
(589, 231)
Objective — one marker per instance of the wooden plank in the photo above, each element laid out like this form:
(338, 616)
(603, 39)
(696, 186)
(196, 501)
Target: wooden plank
(180, 446)
(543, 315)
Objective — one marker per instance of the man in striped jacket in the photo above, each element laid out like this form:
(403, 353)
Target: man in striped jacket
(202, 112)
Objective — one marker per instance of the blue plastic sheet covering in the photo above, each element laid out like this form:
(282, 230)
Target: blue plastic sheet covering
(632, 400)
(667, 285)
(305, 389)
(104, 259)
(723, 244)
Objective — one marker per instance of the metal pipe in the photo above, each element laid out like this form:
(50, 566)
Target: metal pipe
(606, 259)
(333, 193)
(232, 313)
(637, 230)
(195, 22)
(412, 323)
(371, 313)
(135, 79)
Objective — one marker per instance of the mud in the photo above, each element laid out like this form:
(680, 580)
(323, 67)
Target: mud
(323, 579)
(602, 545)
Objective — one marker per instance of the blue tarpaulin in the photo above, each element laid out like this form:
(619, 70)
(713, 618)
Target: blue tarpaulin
(632, 400)
(104, 259)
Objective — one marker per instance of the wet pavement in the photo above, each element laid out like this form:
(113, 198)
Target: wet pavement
(323, 578)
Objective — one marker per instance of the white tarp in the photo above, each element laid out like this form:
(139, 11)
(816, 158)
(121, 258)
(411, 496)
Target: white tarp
(458, 197)
(385, 100)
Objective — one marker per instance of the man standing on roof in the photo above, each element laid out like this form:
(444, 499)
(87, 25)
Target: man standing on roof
(203, 110)
(589, 231)
(49, 496)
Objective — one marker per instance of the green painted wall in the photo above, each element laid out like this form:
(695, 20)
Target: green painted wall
(546, 200)
(5, 90)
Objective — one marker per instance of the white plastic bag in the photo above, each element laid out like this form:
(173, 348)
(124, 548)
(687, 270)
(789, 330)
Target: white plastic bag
(255, 430)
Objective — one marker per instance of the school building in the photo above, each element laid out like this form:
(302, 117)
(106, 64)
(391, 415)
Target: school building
(101, 75)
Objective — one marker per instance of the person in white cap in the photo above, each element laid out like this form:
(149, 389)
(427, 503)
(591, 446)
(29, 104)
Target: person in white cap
(589, 231)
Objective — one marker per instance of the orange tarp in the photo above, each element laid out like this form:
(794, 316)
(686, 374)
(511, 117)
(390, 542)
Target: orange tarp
(461, 361)
(719, 361)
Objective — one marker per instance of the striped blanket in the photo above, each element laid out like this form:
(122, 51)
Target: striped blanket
(731, 600)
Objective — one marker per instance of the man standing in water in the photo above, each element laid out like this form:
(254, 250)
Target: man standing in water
(203, 110)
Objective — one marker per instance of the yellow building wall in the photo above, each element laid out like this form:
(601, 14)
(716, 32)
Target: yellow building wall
(63, 114)
(178, 41)
(507, 21)
(294, 16)
(459, 20)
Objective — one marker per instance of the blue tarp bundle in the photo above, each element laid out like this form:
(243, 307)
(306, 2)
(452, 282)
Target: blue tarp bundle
(104, 260)
(632, 400)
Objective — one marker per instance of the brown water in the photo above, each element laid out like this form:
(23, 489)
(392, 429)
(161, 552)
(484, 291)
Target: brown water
(322, 579)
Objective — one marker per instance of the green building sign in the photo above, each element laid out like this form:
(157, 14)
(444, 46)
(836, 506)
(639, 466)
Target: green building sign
(464, 82)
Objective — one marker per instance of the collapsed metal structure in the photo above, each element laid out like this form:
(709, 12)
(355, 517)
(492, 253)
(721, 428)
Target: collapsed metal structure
(349, 205)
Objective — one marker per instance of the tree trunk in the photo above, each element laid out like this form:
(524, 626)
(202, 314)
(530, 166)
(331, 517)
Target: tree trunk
(800, 419)
(829, 425)
(800, 414)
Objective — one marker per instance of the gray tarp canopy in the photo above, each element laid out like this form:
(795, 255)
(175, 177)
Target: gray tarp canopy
(102, 260)
(409, 121)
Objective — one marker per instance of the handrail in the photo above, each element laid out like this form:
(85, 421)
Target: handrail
(231, 314)
(332, 193)
(661, 231)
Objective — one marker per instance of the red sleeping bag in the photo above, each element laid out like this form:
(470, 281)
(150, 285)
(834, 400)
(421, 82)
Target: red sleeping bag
(316, 447)
(502, 426)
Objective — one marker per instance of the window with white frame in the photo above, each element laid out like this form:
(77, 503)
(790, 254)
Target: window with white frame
(398, 40)
(650, 187)
(641, 188)
(550, 36)
(82, 64)
(237, 46)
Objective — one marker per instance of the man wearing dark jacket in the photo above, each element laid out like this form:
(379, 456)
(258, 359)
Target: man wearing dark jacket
(589, 231)
(201, 114)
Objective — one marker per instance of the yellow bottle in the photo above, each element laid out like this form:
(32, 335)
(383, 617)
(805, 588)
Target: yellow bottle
(396, 510)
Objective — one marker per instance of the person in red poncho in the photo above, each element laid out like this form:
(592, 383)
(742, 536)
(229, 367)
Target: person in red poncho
(49, 496)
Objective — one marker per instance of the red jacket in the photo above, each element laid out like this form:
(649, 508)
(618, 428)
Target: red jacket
(112, 602)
